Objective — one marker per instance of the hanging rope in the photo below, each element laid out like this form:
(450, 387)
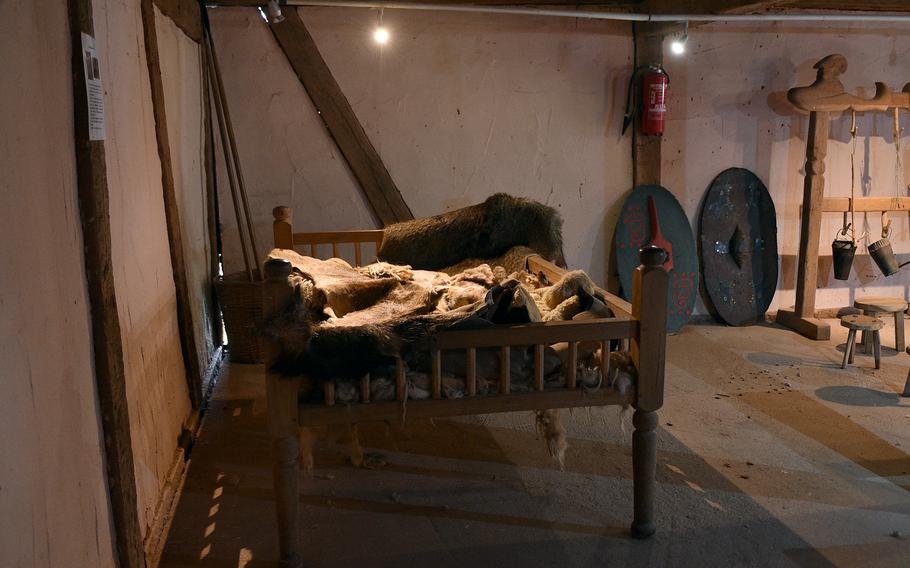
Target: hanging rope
(851, 226)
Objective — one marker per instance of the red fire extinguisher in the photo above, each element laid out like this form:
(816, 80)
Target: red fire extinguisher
(654, 83)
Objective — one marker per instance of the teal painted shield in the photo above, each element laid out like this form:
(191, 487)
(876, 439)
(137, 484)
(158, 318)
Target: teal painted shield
(634, 230)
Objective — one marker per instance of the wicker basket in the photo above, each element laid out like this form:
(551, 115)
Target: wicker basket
(241, 306)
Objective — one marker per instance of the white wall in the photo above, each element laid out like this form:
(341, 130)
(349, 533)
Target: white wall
(53, 501)
(181, 73)
(459, 107)
(155, 378)
(728, 108)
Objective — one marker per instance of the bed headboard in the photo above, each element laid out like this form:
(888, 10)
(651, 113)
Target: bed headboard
(286, 238)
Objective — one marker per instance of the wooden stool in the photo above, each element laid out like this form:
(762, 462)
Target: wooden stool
(907, 384)
(861, 323)
(875, 305)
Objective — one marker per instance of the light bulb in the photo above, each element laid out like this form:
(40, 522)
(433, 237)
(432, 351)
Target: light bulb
(381, 35)
(678, 46)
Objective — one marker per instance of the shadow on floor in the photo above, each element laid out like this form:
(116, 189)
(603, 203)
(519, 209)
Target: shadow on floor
(861, 396)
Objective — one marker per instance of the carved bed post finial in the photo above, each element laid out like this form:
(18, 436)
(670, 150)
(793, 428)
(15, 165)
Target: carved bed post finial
(281, 227)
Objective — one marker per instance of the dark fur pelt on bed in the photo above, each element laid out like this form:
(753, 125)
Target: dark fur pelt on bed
(483, 231)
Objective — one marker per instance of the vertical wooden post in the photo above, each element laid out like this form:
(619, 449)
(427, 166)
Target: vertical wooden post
(282, 229)
(650, 281)
(281, 394)
(802, 318)
(810, 226)
(171, 209)
(649, 41)
(110, 376)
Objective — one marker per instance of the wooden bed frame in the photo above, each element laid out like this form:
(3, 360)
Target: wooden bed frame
(642, 323)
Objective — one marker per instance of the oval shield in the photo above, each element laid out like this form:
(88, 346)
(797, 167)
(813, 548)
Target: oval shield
(738, 247)
(671, 231)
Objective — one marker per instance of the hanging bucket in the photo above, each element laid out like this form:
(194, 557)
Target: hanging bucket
(884, 257)
(843, 252)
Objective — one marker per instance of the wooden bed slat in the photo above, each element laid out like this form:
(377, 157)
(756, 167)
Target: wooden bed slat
(358, 255)
(436, 373)
(572, 365)
(329, 388)
(538, 367)
(365, 388)
(317, 415)
(504, 370)
(401, 383)
(472, 371)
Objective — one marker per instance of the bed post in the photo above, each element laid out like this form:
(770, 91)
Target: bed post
(282, 418)
(281, 228)
(649, 307)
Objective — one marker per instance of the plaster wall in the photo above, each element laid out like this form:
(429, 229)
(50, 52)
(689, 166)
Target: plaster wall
(728, 108)
(53, 500)
(181, 72)
(155, 377)
(459, 106)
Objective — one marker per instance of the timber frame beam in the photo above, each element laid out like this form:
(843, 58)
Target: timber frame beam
(339, 118)
(172, 209)
(646, 160)
(107, 342)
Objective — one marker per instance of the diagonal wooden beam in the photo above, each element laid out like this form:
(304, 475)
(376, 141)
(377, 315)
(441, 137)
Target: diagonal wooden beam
(107, 343)
(185, 14)
(339, 119)
(171, 209)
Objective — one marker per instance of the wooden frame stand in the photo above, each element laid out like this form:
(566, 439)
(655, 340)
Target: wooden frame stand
(825, 96)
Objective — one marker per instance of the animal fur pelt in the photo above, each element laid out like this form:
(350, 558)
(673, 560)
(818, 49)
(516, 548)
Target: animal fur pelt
(483, 231)
(346, 322)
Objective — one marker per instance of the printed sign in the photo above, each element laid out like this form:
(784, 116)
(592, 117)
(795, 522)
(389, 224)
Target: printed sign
(93, 89)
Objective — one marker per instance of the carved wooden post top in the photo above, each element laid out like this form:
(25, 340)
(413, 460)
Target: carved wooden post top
(827, 93)
(282, 213)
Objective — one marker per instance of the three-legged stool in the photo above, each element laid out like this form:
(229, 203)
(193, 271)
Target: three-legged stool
(875, 305)
(865, 324)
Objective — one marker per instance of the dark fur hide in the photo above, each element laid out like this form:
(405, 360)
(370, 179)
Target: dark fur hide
(482, 231)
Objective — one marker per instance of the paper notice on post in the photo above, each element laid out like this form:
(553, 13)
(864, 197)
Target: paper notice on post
(93, 88)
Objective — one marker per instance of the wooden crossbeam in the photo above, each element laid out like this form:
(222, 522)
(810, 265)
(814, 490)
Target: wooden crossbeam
(865, 204)
(339, 118)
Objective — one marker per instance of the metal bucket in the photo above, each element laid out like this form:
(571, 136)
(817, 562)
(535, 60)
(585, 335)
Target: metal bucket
(884, 257)
(843, 252)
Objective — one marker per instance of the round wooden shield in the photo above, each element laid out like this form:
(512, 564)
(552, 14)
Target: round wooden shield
(738, 247)
(671, 231)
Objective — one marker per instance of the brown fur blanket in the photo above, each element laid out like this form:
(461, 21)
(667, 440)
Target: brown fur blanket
(346, 322)
(483, 231)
